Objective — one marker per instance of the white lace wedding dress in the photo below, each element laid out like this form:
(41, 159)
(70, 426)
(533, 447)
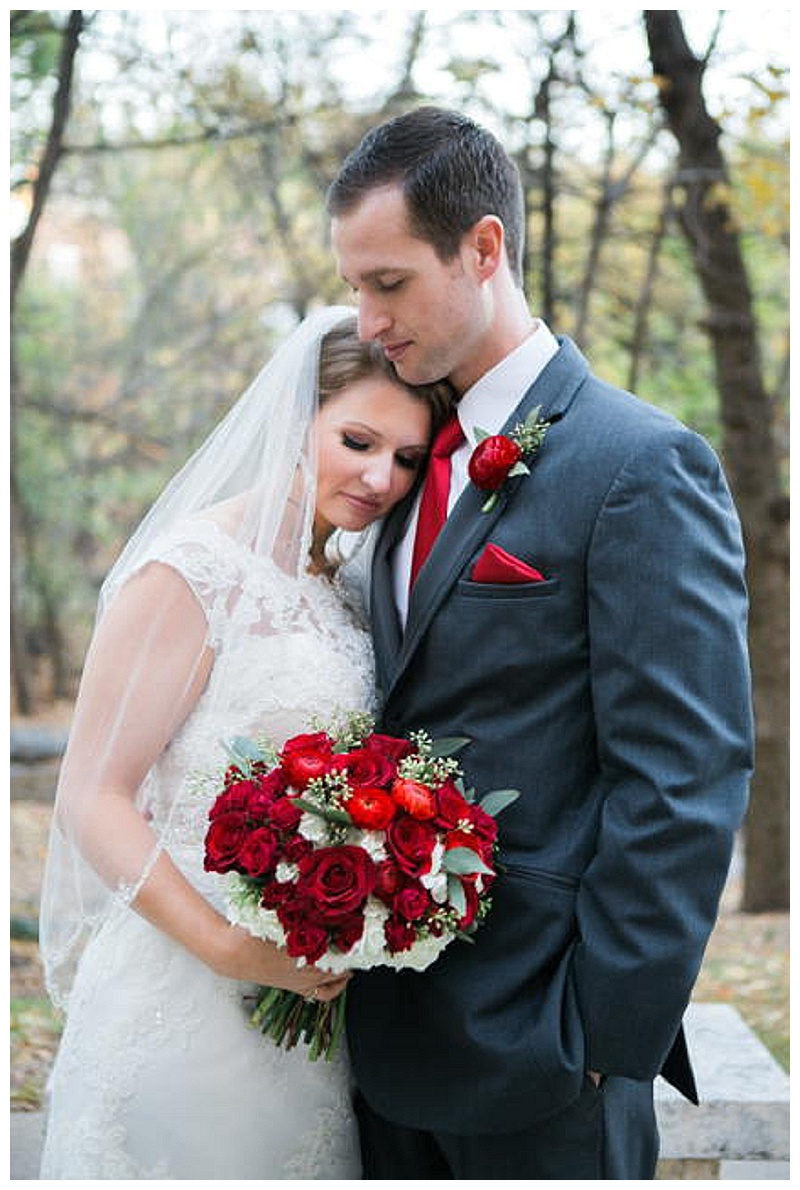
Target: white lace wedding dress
(159, 1073)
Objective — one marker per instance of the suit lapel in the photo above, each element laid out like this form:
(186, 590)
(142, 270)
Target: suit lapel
(387, 632)
(467, 526)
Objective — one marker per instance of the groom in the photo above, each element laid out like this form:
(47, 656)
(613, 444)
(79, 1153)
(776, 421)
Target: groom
(588, 635)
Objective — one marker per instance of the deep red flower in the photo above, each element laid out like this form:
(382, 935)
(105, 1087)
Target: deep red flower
(411, 842)
(400, 935)
(491, 461)
(259, 852)
(285, 814)
(307, 940)
(390, 746)
(265, 791)
(365, 767)
(295, 847)
(412, 902)
(306, 756)
(451, 806)
(389, 879)
(473, 902)
(224, 840)
(484, 825)
(235, 798)
(348, 931)
(337, 879)
(482, 847)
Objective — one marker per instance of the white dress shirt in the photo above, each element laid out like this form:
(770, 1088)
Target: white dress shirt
(486, 406)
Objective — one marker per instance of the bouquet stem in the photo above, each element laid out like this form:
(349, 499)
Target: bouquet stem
(288, 1018)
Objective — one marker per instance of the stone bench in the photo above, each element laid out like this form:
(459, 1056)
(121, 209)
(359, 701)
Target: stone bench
(743, 1116)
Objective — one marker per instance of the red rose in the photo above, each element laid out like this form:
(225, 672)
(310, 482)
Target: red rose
(224, 839)
(308, 941)
(258, 852)
(399, 934)
(285, 814)
(295, 847)
(390, 746)
(481, 847)
(306, 756)
(388, 880)
(491, 461)
(294, 910)
(235, 798)
(451, 806)
(415, 798)
(275, 893)
(348, 931)
(484, 825)
(265, 791)
(412, 902)
(337, 879)
(472, 904)
(371, 809)
(412, 843)
(365, 767)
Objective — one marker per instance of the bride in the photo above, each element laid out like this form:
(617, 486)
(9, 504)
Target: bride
(223, 616)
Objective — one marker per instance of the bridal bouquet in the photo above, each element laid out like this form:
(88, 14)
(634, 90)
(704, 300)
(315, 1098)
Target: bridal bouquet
(351, 850)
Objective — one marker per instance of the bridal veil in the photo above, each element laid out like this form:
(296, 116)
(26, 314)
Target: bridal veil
(255, 477)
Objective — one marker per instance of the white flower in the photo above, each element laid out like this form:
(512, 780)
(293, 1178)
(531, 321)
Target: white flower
(313, 828)
(286, 873)
(436, 883)
(371, 842)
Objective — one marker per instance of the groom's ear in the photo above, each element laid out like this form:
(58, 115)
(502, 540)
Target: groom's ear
(487, 240)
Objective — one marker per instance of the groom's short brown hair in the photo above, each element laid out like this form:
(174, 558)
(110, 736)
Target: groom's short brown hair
(452, 172)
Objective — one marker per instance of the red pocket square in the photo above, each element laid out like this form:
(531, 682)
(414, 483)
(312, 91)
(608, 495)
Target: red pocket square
(496, 565)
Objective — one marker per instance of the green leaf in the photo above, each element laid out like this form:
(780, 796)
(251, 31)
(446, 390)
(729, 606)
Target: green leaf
(497, 800)
(480, 434)
(463, 861)
(533, 416)
(340, 817)
(456, 895)
(519, 469)
(241, 748)
(448, 746)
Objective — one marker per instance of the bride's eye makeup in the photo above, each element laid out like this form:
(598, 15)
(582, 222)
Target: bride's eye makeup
(410, 462)
(353, 443)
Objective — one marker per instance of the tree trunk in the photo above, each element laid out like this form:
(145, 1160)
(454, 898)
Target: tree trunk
(645, 300)
(749, 449)
(20, 253)
(21, 247)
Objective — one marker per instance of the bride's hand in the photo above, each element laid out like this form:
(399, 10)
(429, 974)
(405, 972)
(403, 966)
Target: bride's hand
(241, 956)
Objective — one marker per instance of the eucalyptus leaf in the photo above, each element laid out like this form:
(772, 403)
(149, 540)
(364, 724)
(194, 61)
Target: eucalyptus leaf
(244, 748)
(480, 434)
(456, 895)
(519, 469)
(448, 746)
(340, 817)
(463, 861)
(533, 416)
(497, 800)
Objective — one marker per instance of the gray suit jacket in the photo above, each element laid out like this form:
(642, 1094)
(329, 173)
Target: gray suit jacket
(615, 695)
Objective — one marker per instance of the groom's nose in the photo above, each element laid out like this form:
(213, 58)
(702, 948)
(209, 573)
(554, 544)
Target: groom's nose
(373, 320)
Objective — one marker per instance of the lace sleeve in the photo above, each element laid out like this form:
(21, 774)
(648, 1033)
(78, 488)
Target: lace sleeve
(211, 564)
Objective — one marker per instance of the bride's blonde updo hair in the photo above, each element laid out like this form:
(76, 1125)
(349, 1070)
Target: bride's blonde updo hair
(346, 359)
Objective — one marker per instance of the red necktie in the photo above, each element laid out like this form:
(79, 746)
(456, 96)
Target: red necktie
(435, 490)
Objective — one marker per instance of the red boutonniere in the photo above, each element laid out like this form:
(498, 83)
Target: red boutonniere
(498, 457)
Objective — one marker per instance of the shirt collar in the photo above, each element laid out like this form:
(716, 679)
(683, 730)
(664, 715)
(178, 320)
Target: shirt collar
(489, 403)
